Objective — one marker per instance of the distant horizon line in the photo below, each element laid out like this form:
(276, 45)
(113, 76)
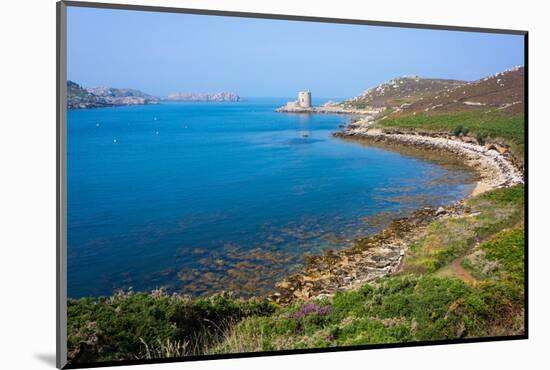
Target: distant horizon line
(269, 96)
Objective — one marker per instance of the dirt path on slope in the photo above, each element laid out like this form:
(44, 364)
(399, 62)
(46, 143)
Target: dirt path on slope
(455, 269)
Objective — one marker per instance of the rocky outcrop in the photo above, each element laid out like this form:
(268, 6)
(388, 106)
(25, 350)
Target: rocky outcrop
(203, 97)
(333, 109)
(367, 259)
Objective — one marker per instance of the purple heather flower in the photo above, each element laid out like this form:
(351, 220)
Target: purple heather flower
(305, 310)
(311, 308)
(324, 311)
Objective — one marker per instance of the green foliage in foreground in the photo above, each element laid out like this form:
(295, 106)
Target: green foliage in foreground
(481, 125)
(392, 310)
(420, 304)
(129, 326)
(460, 130)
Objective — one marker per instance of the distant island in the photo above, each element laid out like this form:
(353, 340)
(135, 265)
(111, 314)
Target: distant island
(79, 97)
(203, 97)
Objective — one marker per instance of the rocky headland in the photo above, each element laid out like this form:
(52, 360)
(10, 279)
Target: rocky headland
(118, 97)
(369, 113)
(79, 97)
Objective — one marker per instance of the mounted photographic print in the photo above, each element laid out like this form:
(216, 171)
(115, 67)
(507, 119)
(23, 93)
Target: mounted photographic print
(235, 184)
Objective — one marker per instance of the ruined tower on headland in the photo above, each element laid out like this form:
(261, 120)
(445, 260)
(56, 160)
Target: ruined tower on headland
(302, 104)
(304, 99)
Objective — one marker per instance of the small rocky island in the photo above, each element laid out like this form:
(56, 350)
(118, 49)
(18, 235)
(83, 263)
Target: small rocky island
(203, 97)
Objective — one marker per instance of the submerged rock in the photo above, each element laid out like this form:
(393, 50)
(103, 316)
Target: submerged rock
(366, 259)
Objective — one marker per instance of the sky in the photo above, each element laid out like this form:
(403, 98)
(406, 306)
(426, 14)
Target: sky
(163, 53)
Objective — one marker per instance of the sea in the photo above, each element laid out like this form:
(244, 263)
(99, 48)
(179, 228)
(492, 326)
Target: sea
(200, 198)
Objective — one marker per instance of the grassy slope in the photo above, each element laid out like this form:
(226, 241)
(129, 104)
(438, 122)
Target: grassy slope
(419, 304)
(449, 238)
(403, 90)
(482, 125)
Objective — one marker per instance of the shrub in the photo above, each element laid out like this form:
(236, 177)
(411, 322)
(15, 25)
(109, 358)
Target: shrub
(481, 137)
(129, 325)
(460, 130)
(392, 309)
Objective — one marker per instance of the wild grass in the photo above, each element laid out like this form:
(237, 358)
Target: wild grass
(481, 125)
(164, 349)
(449, 238)
(500, 258)
(391, 310)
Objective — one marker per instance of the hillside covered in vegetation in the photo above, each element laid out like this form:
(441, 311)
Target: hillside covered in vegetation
(490, 109)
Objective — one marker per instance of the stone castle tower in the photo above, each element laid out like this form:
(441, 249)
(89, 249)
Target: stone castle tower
(304, 99)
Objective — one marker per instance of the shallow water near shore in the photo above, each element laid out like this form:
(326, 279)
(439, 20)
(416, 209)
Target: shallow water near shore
(204, 197)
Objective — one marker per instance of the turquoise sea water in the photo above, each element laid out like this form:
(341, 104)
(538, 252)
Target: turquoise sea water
(204, 197)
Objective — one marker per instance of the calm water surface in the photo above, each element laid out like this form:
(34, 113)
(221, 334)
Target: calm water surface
(203, 197)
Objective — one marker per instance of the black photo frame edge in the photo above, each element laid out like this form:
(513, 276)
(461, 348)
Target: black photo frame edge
(61, 199)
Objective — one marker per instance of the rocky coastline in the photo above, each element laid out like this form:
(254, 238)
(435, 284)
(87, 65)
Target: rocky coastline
(495, 164)
(381, 254)
(366, 259)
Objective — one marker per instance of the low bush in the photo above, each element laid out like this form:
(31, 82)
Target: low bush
(460, 130)
(134, 325)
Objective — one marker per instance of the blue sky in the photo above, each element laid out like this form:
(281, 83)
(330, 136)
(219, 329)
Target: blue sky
(162, 53)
